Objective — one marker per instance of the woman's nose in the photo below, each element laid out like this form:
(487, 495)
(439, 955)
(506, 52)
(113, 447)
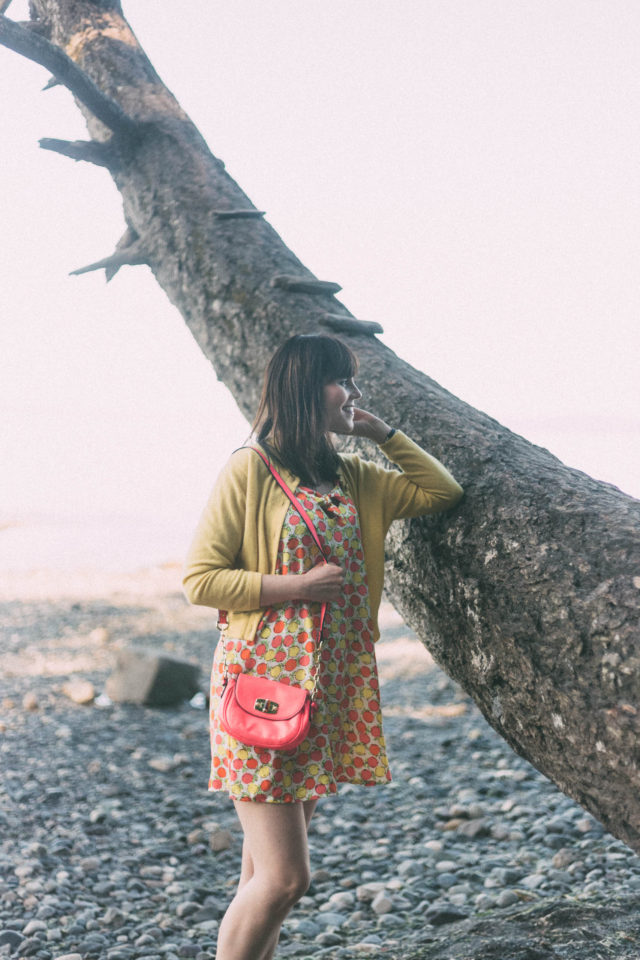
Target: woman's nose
(355, 393)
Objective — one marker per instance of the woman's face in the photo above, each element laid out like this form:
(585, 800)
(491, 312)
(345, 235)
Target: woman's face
(339, 399)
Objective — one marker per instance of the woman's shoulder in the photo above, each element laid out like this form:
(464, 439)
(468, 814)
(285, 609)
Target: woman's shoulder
(248, 464)
(242, 457)
(241, 463)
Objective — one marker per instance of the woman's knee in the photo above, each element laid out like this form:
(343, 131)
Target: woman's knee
(286, 889)
(301, 884)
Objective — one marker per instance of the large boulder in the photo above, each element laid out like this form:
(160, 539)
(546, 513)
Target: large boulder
(151, 678)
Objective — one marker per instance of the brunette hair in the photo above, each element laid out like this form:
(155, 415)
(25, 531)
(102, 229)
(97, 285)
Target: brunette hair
(290, 418)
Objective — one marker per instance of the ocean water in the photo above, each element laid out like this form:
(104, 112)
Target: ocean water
(106, 544)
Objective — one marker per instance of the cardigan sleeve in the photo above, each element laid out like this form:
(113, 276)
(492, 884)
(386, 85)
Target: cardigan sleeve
(212, 576)
(422, 485)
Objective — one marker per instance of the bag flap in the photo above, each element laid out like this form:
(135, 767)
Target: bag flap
(275, 701)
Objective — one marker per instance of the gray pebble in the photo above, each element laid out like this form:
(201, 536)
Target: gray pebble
(341, 901)
(305, 928)
(484, 902)
(507, 898)
(391, 920)
(446, 866)
(446, 880)
(187, 907)
(330, 919)
(11, 938)
(382, 903)
(533, 881)
(328, 939)
(439, 914)
(368, 891)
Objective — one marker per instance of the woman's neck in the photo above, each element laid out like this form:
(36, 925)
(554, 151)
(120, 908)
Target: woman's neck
(323, 486)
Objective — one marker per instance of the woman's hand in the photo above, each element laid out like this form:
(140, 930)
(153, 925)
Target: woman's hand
(369, 426)
(323, 582)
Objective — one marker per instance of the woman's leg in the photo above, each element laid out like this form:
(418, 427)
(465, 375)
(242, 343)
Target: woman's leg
(247, 872)
(275, 874)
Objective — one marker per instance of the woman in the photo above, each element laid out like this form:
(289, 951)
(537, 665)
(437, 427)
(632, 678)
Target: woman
(252, 556)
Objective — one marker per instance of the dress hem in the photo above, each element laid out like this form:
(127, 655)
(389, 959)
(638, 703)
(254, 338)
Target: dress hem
(312, 795)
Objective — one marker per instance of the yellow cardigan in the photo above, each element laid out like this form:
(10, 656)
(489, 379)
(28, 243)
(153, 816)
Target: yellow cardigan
(237, 538)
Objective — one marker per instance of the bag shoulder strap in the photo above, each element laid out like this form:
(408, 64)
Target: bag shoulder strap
(294, 500)
(223, 614)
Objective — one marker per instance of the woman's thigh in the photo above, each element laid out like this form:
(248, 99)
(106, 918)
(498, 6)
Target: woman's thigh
(275, 837)
(247, 858)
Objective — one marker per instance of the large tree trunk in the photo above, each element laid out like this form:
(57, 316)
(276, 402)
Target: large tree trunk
(528, 594)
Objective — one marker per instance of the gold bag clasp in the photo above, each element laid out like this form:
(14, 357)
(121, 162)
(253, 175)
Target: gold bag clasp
(266, 706)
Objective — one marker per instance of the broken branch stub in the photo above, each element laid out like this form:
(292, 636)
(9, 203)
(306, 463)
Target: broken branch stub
(305, 285)
(131, 256)
(350, 325)
(239, 214)
(92, 151)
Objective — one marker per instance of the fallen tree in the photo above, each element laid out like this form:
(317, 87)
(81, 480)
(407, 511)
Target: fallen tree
(528, 594)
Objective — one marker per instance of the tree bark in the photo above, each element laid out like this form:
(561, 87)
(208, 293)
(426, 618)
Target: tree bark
(528, 594)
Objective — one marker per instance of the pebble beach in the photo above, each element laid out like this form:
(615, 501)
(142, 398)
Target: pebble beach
(112, 849)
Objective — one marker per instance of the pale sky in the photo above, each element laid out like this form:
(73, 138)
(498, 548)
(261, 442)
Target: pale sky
(469, 172)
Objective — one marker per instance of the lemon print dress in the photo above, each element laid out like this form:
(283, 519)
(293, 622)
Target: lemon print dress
(345, 743)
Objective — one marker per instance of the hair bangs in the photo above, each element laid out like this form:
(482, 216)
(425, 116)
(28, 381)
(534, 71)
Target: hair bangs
(338, 361)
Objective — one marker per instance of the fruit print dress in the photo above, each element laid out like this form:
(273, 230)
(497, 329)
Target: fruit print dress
(345, 743)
